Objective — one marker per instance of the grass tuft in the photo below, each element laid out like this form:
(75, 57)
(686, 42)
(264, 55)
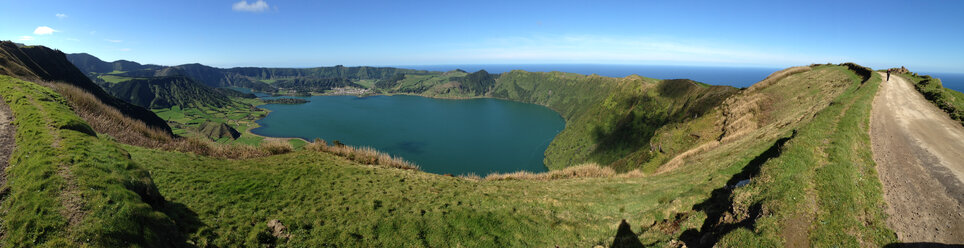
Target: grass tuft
(362, 155)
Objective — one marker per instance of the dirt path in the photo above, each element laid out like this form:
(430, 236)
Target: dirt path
(919, 153)
(7, 131)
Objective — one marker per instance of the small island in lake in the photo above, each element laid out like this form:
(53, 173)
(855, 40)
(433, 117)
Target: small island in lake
(285, 101)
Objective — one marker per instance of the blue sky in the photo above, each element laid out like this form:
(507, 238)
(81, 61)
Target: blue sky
(922, 35)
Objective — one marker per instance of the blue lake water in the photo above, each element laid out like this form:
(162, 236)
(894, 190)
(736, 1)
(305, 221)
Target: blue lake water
(478, 136)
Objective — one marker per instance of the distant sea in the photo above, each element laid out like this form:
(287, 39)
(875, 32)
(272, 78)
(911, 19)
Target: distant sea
(732, 76)
(954, 81)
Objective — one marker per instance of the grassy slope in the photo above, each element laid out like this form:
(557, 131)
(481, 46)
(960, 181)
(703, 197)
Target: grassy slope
(609, 120)
(325, 200)
(239, 115)
(822, 190)
(66, 187)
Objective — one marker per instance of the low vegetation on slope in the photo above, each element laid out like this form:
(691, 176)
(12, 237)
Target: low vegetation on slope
(38, 63)
(610, 121)
(781, 163)
(808, 132)
(933, 90)
(67, 186)
(165, 92)
(816, 187)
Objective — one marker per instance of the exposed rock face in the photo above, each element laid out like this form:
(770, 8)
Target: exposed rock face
(217, 131)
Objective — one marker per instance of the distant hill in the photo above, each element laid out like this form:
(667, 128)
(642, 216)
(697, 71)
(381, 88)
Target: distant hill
(263, 79)
(39, 63)
(90, 64)
(166, 92)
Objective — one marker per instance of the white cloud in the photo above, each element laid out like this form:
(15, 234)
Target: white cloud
(124, 49)
(93, 32)
(44, 30)
(26, 38)
(72, 39)
(61, 15)
(113, 41)
(243, 5)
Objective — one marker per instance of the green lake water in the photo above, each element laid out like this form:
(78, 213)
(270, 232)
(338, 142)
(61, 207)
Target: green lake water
(459, 137)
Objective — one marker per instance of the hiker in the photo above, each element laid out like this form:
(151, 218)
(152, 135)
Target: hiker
(888, 74)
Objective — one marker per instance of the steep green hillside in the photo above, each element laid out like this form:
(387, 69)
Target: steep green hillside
(800, 147)
(610, 121)
(165, 92)
(316, 79)
(39, 63)
(66, 186)
(799, 137)
(90, 64)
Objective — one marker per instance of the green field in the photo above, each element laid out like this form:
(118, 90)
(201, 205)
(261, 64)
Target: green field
(113, 78)
(239, 115)
(68, 187)
(368, 83)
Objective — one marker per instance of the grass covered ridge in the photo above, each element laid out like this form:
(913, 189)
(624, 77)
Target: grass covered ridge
(67, 187)
(803, 145)
(609, 121)
(332, 201)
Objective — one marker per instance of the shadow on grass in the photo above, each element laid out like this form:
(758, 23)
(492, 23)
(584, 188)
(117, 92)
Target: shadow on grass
(720, 202)
(187, 222)
(627, 132)
(625, 237)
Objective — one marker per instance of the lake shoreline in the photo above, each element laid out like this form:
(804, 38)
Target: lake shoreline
(516, 140)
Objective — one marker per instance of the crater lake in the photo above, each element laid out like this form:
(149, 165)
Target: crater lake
(459, 137)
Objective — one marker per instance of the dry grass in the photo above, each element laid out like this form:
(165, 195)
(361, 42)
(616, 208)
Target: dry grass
(777, 76)
(587, 170)
(362, 155)
(749, 110)
(678, 160)
(108, 120)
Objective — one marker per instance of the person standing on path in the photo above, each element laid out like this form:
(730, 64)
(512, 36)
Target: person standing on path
(888, 75)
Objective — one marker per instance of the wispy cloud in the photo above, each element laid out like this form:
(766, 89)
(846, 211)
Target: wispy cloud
(44, 30)
(61, 15)
(73, 39)
(113, 41)
(244, 6)
(26, 38)
(622, 49)
(124, 49)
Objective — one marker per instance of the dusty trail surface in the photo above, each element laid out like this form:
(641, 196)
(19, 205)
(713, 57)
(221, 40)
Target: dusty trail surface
(7, 131)
(919, 153)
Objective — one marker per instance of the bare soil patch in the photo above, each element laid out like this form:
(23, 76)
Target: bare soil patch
(919, 153)
(7, 131)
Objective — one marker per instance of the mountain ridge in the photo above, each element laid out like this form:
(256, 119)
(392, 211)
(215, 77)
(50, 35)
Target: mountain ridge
(33, 63)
